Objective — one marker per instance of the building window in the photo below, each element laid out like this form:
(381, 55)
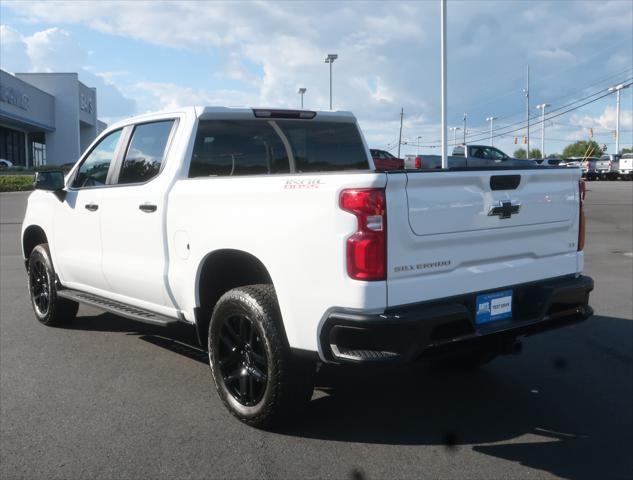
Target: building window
(13, 146)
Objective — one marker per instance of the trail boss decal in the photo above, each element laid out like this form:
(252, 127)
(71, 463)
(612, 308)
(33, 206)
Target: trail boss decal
(302, 184)
(422, 266)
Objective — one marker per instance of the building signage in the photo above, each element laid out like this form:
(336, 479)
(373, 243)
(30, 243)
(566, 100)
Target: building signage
(85, 103)
(14, 97)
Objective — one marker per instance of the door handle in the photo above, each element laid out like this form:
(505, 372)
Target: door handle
(92, 207)
(147, 207)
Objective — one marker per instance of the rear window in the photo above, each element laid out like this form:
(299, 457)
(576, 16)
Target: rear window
(250, 147)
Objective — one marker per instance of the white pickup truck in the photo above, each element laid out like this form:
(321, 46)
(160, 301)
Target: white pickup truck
(270, 233)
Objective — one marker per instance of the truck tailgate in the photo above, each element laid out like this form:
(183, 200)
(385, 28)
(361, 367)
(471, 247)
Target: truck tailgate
(457, 232)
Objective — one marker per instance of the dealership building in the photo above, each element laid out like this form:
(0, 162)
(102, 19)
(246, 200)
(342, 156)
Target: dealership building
(46, 118)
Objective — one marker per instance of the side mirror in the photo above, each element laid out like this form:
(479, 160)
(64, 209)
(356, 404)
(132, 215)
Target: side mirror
(52, 180)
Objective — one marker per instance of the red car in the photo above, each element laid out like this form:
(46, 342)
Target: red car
(385, 161)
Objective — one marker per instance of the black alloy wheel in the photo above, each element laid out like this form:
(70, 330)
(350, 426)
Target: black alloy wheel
(257, 376)
(39, 282)
(49, 308)
(242, 360)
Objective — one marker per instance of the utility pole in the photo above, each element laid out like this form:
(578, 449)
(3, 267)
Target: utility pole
(526, 90)
(542, 108)
(400, 136)
(617, 90)
(491, 120)
(443, 48)
(454, 130)
(465, 129)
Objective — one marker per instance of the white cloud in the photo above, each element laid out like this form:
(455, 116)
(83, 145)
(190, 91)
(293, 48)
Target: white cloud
(55, 50)
(166, 96)
(13, 50)
(606, 120)
(388, 53)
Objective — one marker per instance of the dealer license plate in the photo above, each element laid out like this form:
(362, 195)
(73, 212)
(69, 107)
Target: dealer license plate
(491, 307)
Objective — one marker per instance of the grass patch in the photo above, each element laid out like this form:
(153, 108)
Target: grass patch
(16, 183)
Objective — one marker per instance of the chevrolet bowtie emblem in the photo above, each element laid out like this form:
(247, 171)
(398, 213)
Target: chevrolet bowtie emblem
(504, 209)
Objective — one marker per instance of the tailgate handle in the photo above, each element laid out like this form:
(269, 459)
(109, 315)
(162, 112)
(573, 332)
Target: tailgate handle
(504, 182)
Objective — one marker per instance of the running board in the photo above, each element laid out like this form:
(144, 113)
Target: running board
(118, 308)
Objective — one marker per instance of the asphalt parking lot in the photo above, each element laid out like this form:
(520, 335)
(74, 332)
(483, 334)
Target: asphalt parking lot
(104, 397)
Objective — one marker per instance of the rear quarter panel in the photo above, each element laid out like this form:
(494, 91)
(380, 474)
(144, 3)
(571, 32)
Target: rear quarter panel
(291, 223)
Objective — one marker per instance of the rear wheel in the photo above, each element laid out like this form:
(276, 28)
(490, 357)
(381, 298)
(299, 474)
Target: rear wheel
(256, 376)
(48, 307)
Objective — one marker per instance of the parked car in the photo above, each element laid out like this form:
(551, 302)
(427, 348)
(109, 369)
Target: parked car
(613, 162)
(471, 156)
(4, 163)
(550, 162)
(592, 167)
(265, 232)
(384, 160)
(625, 166)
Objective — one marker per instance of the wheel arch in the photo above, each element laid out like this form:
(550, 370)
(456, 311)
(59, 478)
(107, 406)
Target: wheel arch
(220, 271)
(32, 236)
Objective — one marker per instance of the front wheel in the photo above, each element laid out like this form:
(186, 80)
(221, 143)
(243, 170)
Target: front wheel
(49, 309)
(255, 374)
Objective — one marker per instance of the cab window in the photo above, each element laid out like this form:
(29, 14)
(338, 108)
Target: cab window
(93, 172)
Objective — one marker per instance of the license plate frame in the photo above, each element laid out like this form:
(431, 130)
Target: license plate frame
(493, 307)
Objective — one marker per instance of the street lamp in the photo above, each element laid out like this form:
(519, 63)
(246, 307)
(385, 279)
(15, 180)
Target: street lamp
(454, 130)
(617, 89)
(417, 152)
(301, 92)
(542, 108)
(330, 59)
(491, 120)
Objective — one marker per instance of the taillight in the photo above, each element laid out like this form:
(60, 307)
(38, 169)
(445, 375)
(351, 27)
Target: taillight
(581, 223)
(366, 249)
(418, 162)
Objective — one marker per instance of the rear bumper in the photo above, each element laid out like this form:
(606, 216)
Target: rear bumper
(405, 333)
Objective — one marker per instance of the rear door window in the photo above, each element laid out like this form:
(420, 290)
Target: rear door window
(145, 152)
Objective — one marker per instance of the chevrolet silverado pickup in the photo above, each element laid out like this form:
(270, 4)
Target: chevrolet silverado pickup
(272, 235)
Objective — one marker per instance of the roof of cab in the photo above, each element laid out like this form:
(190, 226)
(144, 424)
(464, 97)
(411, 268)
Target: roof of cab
(209, 112)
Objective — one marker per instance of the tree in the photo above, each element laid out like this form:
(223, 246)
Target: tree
(583, 148)
(626, 150)
(520, 153)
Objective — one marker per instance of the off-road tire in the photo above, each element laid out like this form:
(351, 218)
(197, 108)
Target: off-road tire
(289, 379)
(49, 309)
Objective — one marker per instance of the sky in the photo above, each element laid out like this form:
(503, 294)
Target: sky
(148, 56)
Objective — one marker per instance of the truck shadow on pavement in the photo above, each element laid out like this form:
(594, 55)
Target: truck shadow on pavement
(567, 413)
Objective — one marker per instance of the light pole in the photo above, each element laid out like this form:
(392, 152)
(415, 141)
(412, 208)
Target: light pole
(417, 151)
(465, 129)
(301, 92)
(542, 108)
(330, 59)
(491, 120)
(443, 80)
(617, 89)
(526, 90)
(454, 130)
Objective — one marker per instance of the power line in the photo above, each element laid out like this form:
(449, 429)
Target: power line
(503, 130)
(536, 117)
